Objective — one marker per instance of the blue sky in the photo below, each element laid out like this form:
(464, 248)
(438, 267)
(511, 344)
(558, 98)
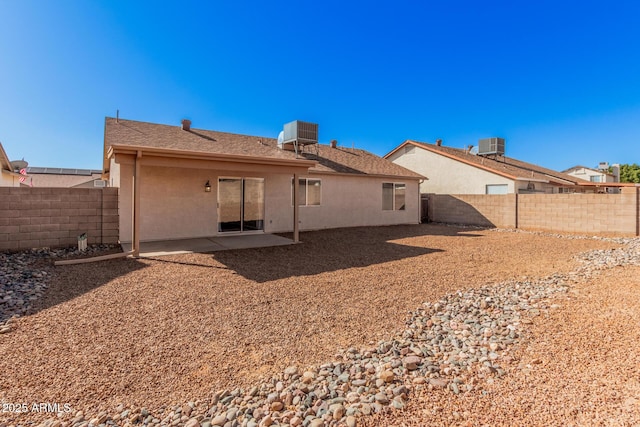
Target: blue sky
(559, 80)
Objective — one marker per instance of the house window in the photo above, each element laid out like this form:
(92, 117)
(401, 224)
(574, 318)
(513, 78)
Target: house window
(595, 178)
(393, 195)
(496, 189)
(309, 192)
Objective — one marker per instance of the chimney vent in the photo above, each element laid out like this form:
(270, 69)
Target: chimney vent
(334, 143)
(186, 124)
(438, 142)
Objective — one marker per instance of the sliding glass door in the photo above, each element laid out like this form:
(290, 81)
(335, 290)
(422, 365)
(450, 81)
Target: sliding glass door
(240, 204)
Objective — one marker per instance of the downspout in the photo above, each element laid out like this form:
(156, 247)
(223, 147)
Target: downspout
(296, 231)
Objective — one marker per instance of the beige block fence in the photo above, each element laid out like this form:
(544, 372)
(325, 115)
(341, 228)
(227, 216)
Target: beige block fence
(601, 214)
(55, 217)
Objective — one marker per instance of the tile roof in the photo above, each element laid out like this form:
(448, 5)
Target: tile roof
(501, 165)
(329, 160)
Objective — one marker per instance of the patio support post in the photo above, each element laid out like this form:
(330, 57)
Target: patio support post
(135, 241)
(296, 231)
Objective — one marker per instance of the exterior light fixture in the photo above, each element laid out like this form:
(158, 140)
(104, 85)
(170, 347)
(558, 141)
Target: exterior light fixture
(207, 187)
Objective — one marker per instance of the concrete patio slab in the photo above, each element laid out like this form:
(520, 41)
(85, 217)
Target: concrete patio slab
(208, 244)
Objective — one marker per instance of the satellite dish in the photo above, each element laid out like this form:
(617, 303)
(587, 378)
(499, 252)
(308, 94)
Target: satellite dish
(280, 138)
(474, 150)
(19, 164)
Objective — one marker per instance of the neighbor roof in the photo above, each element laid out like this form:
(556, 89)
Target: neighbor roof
(5, 164)
(328, 160)
(62, 171)
(500, 165)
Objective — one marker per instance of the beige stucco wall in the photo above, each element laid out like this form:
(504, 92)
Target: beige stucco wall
(8, 180)
(448, 176)
(114, 173)
(174, 205)
(586, 174)
(346, 201)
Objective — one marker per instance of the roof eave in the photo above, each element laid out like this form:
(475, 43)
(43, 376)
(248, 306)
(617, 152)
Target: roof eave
(544, 181)
(368, 175)
(200, 155)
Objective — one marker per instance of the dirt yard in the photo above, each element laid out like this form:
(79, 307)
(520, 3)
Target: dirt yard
(157, 332)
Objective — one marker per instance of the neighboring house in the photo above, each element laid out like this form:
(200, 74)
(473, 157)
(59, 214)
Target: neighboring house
(63, 177)
(8, 177)
(460, 171)
(591, 175)
(178, 182)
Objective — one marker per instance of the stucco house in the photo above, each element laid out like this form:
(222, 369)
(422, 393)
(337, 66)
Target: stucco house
(594, 175)
(463, 171)
(8, 177)
(65, 177)
(178, 182)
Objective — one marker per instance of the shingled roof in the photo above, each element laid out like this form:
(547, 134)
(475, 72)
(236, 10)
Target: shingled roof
(329, 160)
(5, 164)
(500, 165)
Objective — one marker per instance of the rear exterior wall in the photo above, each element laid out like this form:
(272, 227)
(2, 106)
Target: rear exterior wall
(174, 205)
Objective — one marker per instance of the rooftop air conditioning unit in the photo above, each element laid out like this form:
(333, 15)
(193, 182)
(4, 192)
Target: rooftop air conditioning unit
(99, 183)
(302, 133)
(491, 146)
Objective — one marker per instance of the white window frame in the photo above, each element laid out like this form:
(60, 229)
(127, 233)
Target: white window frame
(501, 186)
(393, 197)
(306, 191)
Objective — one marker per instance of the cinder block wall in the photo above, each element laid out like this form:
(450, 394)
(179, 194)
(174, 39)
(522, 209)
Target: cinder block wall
(54, 217)
(578, 213)
(606, 214)
(474, 209)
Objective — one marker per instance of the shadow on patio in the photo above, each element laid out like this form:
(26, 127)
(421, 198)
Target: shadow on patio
(336, 249)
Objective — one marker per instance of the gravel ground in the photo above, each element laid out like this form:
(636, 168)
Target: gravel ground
(579, 367)
(157, 333)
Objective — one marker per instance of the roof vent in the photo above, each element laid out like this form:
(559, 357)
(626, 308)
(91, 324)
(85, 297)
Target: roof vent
(439, 142)
(334, 143)
(186, 124)
(493, 146)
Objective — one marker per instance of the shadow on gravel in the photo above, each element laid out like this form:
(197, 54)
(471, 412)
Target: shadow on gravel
(70, 281)
(336, 249)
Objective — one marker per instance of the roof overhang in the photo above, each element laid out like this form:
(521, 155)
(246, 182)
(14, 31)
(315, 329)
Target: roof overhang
(608, 184)
(369, 175)
(5, 163)
(544, 181)
(166, 153)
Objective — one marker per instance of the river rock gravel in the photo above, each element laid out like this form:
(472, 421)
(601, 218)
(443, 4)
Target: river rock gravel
(456, 344)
